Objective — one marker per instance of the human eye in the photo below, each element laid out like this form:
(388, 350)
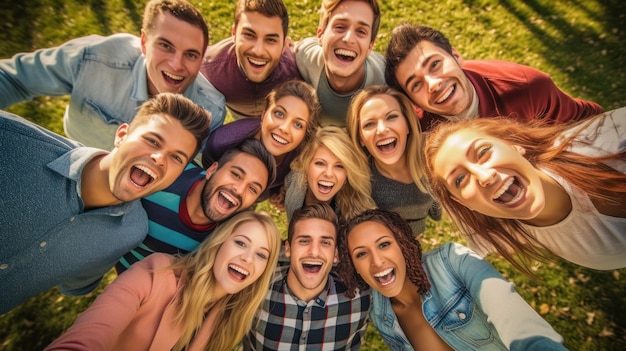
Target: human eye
(384, 244)
(271, 40)
(262, 255)
(392, 116)
(235, 174)
(192, 56)
(151, 140)
(319, 163)
(458, 181)
(165, 46)
(177, 158)
(368, 125)
(435, 65)
(339, 165)
(359, 254)
(253, 189)
(240, 243)
(248, 35)
(298, 125)
(279, 114)
(483, 151)
(416, 85)
(304, 241)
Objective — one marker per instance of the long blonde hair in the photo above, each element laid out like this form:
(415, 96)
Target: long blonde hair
(199, 283)
(415, 141)
(355, 196)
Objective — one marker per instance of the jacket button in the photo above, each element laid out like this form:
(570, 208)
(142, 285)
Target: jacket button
(462, 315)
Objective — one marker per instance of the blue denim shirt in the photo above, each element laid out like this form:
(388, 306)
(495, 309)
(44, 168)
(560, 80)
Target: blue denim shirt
(106, 78)
(47, 238)
(470, 306)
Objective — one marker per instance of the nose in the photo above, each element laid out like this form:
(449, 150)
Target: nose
(246, 256)
(433, 83)
(158, 158)
(377, 260)
(348, 36)
(314, 249)
(177, 61)
(485, 176)
(257, 48)
(381, 127)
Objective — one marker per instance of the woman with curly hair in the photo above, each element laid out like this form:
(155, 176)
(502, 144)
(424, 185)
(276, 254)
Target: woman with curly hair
(205, 300)
(447, 299)
(329, 169)
(523, 188)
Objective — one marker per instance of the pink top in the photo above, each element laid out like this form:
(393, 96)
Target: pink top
(133, 313)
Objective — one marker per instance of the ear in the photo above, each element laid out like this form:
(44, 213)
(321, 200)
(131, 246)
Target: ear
(144, 40)
(211, 170)
(457, 57)
(233, 30)
(519, 149)
(287, 249)
(320, 34)
(336, 258)
(121, 134)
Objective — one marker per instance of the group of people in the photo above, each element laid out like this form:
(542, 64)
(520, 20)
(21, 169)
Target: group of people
(359, 148)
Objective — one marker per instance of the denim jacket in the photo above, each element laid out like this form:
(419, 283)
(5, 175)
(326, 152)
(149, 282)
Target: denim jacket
(470, 306)
(106, 78)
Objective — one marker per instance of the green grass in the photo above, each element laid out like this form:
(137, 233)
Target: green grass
(580, 43)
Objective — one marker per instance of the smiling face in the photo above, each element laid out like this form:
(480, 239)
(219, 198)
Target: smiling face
(173, 51)
(434, 80)
(149, 158)
(383, 130)
(259, 43)
(346, 41)
(312, 252)
(242, 258)
(377, 257)
(284, 125)
(489, 175)
(325, 175)
(234, 187)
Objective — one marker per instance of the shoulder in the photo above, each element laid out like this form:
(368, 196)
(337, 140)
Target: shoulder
(496, 69)
(219, 49)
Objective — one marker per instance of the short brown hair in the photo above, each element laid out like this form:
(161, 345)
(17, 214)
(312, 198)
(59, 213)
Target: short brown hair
(320, 210)
(193, 117)
(181, 9)
(268, 8)
(328, 6)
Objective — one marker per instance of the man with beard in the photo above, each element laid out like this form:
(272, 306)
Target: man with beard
(185, 213)
(306, 307)
(248, 65)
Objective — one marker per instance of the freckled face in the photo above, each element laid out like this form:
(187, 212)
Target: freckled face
(242, 258)
(377, 257)
(490, 176)
(284, 125)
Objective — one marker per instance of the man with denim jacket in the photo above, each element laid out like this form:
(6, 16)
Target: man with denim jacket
(108, 78)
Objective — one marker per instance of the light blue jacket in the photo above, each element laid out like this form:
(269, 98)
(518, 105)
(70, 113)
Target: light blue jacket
(106, 78)
(47, 238)
(470, 306)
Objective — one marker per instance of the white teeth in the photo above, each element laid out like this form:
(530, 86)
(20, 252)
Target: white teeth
(445, 97)
(383, 273)
(239, 269)
(147, 171)
(385, 142)
(175, 77)
(228, 197)
(503, 188)
(312, 263)
(326, 183)
(518, 197)
(279, 139)
(344, 52)
(257, 62)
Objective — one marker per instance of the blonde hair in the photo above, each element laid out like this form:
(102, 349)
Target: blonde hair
(355, 196)
(199, 283)
(413, 154)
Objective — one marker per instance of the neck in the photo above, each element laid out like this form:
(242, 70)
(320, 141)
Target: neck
(301, 292)
(346, 85)
(408, 296)
(558, 204)
(94, 185)
(398, 171)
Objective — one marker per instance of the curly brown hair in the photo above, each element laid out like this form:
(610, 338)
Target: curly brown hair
(411, 250)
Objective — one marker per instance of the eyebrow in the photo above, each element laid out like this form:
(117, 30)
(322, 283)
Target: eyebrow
(174, 46)
(347, 19)
(249, 29)
(250, 240)
(163, 141)
(411, 77)
(467, 152)
(246, 173)
(375, 241)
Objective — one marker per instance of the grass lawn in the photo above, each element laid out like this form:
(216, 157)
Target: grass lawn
(580, 43)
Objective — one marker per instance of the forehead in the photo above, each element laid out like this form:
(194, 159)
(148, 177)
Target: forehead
(253, 230)
(293, 104)
(314, 227)
(379, 103)
(176, 30)
(368, 232)
(422, 51)
(260, 24)
(454, 149)
(254, 168)
(353, 11)
(323, 152)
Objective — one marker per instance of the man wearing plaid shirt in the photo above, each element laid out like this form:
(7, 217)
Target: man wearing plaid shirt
(306, 308)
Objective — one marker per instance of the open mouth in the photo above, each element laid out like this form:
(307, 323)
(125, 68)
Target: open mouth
(238, 272)
(172, 78)
(141, 176)
(227, 200)
(387, 145)
(279, 139)
(325, 187)
(345, 55)
(510, 193)
(311, 267)
(257, 62)
(447, 95)
(385, 277)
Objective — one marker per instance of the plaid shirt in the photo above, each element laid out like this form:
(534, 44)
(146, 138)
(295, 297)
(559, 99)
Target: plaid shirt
(331, 321)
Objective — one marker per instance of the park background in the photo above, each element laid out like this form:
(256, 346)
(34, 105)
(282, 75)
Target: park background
(581, 44)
